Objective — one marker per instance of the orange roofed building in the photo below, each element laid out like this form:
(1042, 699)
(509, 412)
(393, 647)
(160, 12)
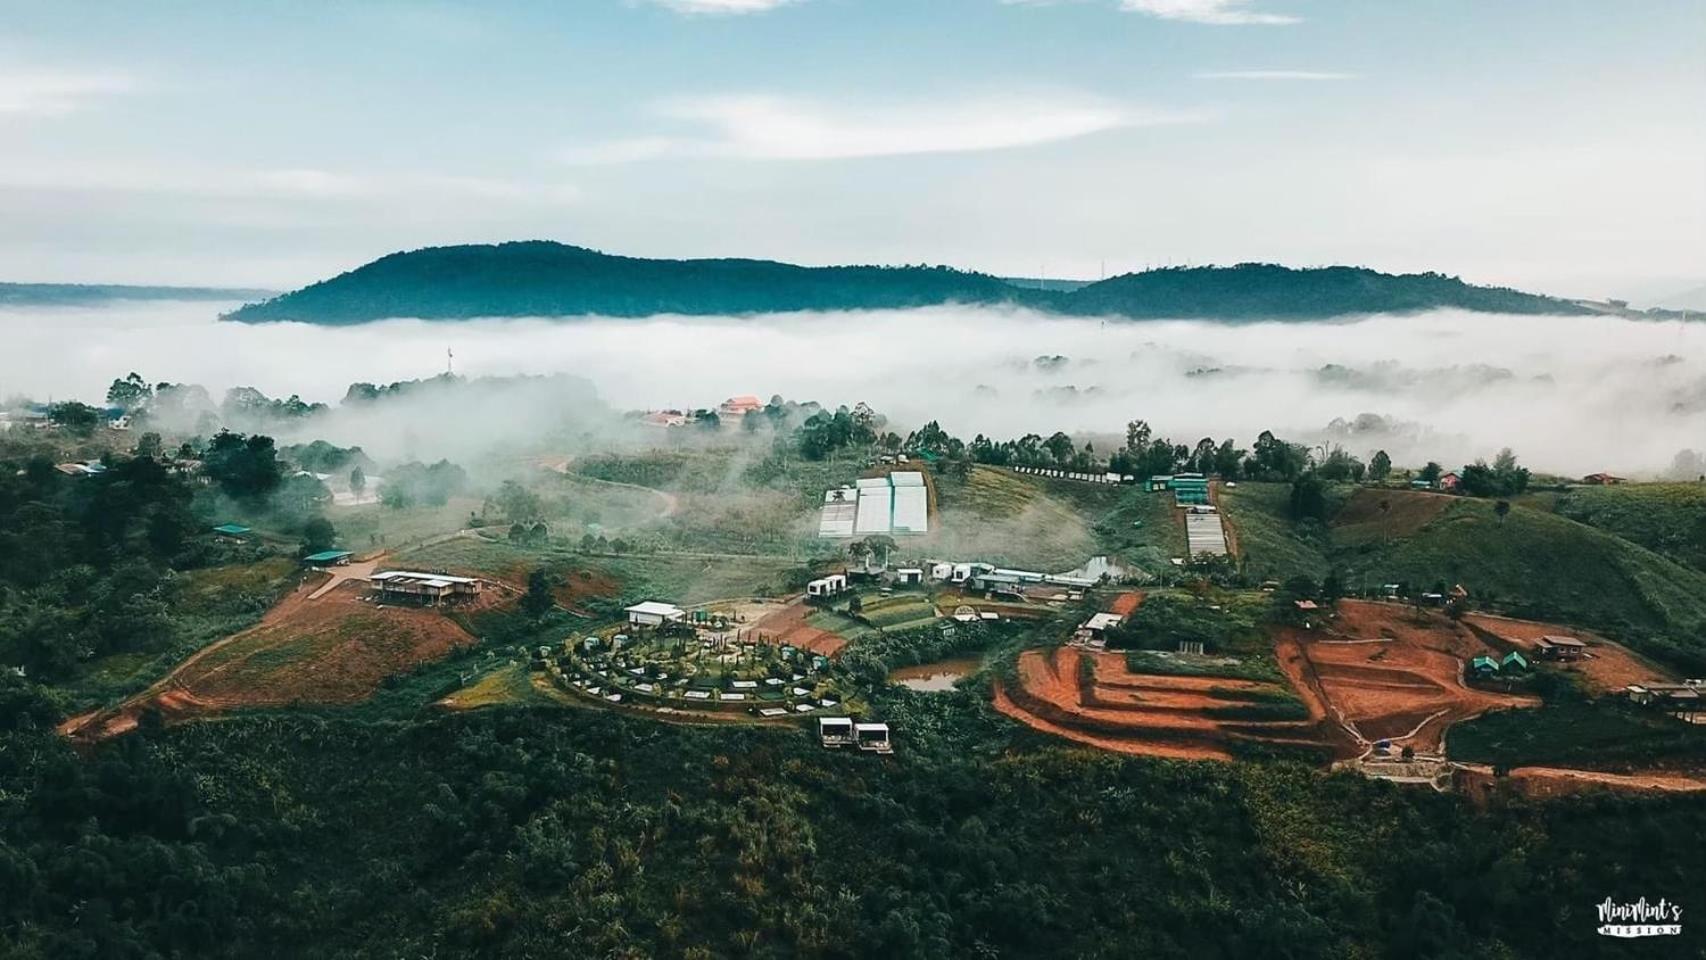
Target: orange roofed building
(739, 406)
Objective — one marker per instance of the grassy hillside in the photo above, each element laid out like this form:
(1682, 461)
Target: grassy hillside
(1532, 564)
(1667, 518)
(1269, 544)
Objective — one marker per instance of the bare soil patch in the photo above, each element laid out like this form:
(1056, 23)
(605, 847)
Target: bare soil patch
(335, 649)
(1109, 706)
(1405, 687)
(1607, 668)
(788, 625)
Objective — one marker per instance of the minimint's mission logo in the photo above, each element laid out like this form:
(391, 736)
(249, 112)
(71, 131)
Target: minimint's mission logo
(1640, 919)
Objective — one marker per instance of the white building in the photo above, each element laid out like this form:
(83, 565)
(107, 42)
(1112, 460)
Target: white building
(654, 614)
(827, 586)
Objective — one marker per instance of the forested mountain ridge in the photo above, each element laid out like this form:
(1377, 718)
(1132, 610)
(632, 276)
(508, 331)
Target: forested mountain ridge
(542, 278)
(84, 294)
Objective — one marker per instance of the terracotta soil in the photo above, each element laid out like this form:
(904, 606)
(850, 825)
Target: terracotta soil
(1607, 668)
(335, 649)
(1383, 672)
(1148, 714)
(1126, 603)
(788, 625)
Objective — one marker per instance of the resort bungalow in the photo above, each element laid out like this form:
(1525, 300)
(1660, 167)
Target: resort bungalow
(873, 737)
(909, 576)
(235, 532)
(1483, 667)
(654, 614)
(329, 558)
(827, 586)
(834, 732)
(1681, 700)
(431, 588)
(1514, 661)
(1602, 479)
(1096, 628)
(1559, 648)
(1449, 481)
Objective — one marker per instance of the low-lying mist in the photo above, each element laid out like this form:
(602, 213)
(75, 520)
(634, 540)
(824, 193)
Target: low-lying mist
(1570, 394)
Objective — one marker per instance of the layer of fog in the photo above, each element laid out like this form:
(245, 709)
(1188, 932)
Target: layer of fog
(1570, 394)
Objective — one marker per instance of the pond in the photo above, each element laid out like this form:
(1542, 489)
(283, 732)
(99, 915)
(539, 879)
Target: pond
(935, 677)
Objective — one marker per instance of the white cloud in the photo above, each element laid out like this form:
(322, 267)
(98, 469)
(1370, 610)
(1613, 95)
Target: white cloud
(788, 128)
(1272, 75)
(54, 92)
(721, 7)
(1218, 12)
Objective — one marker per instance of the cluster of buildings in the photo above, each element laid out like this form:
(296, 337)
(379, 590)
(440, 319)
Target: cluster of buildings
(837, 732)
(1680, 700)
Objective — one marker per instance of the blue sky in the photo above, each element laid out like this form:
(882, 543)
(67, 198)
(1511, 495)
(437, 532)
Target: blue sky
(1555, 145)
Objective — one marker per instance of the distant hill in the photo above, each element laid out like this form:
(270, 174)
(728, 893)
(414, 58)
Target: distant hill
(83, 294)
(1260, 290)
(541, 278)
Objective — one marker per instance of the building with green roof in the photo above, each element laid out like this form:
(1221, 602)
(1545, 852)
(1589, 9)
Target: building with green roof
(231, 530)
(328, 558)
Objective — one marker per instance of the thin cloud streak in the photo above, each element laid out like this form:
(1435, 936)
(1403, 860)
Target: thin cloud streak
(51, 93)
(1306, 75)
(1214, 12)
(761, 127)
(721, 7)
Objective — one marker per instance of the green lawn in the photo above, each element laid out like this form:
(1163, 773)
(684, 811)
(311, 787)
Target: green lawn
(1667, 518)
(1270, 545)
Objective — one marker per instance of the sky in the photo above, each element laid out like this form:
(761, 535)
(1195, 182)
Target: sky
(1552, 145)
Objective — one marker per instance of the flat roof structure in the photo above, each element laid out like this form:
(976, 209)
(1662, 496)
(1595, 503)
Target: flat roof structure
(231, 529)
(396, 576)
(655, 608)
(328, 556)
(1103, 621)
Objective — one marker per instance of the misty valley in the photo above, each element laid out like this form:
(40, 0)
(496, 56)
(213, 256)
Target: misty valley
(852, 480)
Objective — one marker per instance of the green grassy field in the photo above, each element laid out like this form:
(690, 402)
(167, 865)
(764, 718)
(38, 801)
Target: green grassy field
(1667, 518)
(900, 612)
(1269, 543)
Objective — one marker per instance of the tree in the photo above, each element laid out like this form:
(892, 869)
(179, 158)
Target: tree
(244, 467)
(538, 601)
(318, 535)
(1379, 466)
(149, 445)
(1431, 472)
(129, 392)
(357, 481)
(1308, 498)
(75, 418)
(519, 504)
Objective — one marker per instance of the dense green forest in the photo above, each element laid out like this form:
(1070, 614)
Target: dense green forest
(81, 294)
(535, 832)
(541, 278)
